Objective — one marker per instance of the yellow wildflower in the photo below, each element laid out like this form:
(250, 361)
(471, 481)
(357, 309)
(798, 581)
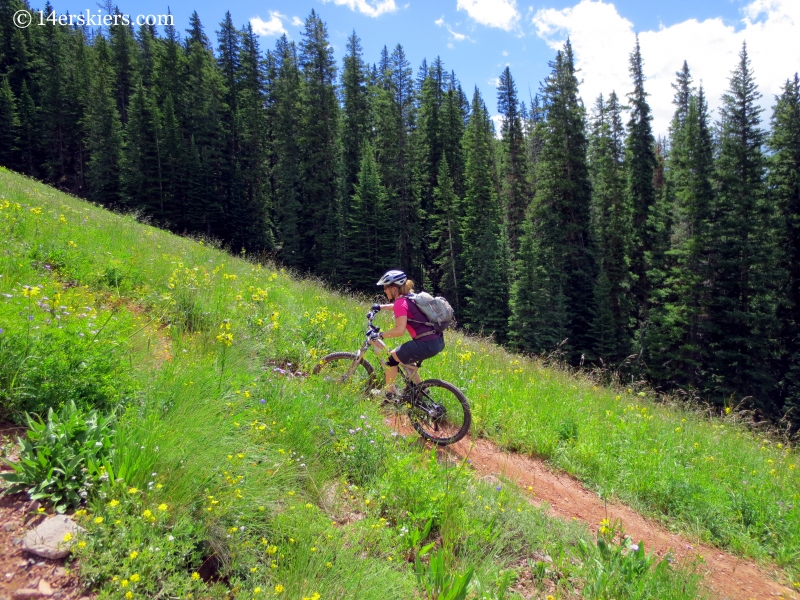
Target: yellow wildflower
(129, 595)
(133, 555)
(98, 520)
(113, 503)
(135, 577)
(162, 507)
(81, 544)
(195, 575)
(67, 537)
(147, 514)
(279, 589)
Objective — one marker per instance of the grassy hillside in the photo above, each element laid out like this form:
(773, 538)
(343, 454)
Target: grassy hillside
(300, 489)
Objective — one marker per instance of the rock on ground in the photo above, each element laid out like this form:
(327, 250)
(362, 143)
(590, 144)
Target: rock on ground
(47, 540)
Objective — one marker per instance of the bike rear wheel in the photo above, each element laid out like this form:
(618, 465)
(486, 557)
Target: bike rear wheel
(439, 411)
(336, 367)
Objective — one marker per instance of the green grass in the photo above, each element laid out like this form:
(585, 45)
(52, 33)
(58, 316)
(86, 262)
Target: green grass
(194, 331)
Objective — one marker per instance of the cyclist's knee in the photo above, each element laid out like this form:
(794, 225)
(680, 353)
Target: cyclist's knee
(392, 361)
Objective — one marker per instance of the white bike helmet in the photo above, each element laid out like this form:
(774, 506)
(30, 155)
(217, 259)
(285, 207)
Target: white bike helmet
(393, 277)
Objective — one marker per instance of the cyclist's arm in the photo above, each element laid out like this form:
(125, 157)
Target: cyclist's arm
(399, 327)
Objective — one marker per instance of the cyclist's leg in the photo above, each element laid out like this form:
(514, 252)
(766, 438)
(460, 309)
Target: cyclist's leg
(391, 370)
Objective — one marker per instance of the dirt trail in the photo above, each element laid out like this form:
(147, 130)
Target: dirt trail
(726, 576)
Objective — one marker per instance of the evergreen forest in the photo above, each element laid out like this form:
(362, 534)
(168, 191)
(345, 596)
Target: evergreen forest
(571, 229)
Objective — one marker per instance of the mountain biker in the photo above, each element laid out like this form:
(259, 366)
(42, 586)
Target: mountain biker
(425, 342)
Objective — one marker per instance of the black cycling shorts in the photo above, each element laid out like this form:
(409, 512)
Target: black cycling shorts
(416, 351)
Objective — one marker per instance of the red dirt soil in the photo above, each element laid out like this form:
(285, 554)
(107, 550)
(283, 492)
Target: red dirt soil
(726, 576)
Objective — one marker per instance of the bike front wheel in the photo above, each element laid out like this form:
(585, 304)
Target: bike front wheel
(340, 367)
(439, 411)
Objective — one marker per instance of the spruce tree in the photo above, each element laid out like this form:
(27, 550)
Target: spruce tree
(611, 227)
(554, 293)
(9, 124)
(485, 275)
(103, 131)
(640, 163)
(123, 53)
(369, 232)
(355, 114)
(141, 174)
(514, 172)
(29, 142)
(678, 349)
(254, 231)
(286, 170)
(319, 226)
(204, 105)
(445, 237)
(784, 180)
(740, 327)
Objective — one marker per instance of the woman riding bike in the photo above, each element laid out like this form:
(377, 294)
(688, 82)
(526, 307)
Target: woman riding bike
(425, 342)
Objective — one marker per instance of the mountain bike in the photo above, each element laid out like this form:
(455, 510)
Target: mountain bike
(438, 410)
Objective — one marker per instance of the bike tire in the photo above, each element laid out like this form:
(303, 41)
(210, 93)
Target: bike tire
(452, 425)
(335, 365)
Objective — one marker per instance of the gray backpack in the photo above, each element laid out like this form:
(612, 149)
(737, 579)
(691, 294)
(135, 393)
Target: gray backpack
(437, 310)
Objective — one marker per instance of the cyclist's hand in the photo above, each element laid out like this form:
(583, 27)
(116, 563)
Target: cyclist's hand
(376, 307)
(375, 335)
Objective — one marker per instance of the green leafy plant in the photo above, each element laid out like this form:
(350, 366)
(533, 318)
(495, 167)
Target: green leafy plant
(437, 582)
(619, 566)
(62, 456)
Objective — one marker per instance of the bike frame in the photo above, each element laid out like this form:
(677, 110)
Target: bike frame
(409, 373)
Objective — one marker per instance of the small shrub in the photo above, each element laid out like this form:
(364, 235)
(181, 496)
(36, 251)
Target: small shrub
(62, 457)
(135, 546)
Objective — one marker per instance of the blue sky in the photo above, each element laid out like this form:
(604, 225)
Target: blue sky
(477, 38)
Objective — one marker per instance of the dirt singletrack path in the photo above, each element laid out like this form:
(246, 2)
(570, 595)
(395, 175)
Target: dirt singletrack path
(726, 576)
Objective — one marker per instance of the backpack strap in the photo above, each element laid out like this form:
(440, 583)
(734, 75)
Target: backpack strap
(428, 323)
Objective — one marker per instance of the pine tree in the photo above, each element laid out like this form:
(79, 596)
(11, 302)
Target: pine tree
(321, 216)
(485, 275)
(554, 293)
(123, 59)
(677, 344)
(611, 226)
(254, 231)
(286, 171)
(784, 180)
(407, 201)
(141, 175)
(640, 162)
(369, 238)
(740, 328)
(29, 156)
(103, 131)
(445, 237)
(355, 114)
(204, 106)
(9, 124)
(514, 172)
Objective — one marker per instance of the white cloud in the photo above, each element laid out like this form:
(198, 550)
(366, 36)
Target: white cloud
(498, 125)
(297, 22)
(505, 52)
(602, 41)
(494, 82)
(371, 8)
(493, 13)
(272, 27)
(454, 35)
